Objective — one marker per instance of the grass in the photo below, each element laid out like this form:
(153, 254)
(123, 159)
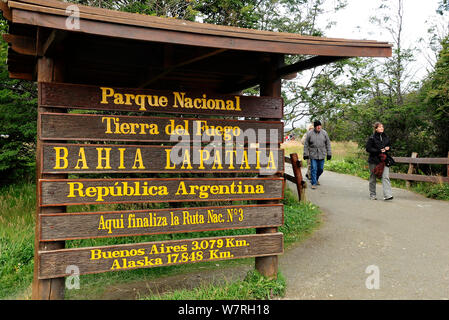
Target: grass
(253, 286)
(17, 207)
(17, 210)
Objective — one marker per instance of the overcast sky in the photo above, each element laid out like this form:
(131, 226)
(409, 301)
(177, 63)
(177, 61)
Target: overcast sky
(353, 22)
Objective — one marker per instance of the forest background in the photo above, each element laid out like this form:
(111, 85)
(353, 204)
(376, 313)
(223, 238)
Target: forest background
(347, 96)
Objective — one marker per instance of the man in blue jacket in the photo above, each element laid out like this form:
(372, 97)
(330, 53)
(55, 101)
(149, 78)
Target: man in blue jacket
(317, 146)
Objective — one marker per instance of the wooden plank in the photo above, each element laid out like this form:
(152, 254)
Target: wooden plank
(155, 254)
(292, 69)
(101, 191)
(51, 289)
(421, 160)
(447, 171)
(418, 177)
(146, 100)
(6, 11)
(271, 86)
(21, 44)
(47, 46)
(21, 76)
(411, 169)
(118, 30)
(95, 158)
(86, 127)
(70, 226)
(296, 166)
(290, 178)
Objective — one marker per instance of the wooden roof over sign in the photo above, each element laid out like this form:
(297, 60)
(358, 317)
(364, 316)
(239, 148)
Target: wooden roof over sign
(134, 50)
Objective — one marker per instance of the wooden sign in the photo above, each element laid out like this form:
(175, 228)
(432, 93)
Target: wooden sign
(54, 126)
(122, 99)
(95, 158)
(99, 191)
(153, 254)
(69, 226)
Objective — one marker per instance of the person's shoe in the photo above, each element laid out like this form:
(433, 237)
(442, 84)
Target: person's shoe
(318, 183)
(313, 187)
(372, 198)
(390, 198)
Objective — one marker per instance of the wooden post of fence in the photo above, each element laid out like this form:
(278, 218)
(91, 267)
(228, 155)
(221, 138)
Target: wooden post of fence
(296, 166)
(447, 173)
(411, 168)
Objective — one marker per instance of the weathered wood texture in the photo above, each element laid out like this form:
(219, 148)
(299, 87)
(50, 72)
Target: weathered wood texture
(152, 254)
(270, 86)
(69, 226)
(414, 160)
(418, 177)
(85, 127)
(100, 191)
(96, 158)
(140, 27)
(50, 289)
(102, 98)
(296, 166)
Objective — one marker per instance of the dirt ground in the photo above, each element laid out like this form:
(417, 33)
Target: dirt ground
(189, 281)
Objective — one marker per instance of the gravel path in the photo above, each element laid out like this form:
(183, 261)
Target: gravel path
(368, 249)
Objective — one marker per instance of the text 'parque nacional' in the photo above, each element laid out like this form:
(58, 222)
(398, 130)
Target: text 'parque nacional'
(62, 95)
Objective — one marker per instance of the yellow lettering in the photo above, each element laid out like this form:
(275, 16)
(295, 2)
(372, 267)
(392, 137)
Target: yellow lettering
(178, 98)
(202, 158)
(168, 163)
(59, 157)
(186, 160)
(237, 103)
(122, 156)
(105, 93)
(72, 189)
(102, 158)
(271, 161)
(82, 159)
(138, 158)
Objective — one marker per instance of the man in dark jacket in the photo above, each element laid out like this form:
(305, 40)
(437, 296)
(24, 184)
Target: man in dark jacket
(377, 145)
(317, 146)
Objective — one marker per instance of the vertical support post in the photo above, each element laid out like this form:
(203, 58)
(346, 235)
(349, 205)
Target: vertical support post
(296, 165)
(48, 289)
(271, 86)
(411, 168)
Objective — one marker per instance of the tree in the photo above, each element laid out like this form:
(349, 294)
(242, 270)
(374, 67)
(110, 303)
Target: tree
(435, 93)
(180, 9)
(443, 6)
(242, 13)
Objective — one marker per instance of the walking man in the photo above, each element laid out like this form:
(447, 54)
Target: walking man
(317, 147)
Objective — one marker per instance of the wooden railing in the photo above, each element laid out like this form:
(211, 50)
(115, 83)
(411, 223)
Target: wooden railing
(413, 161)
(297, 178)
